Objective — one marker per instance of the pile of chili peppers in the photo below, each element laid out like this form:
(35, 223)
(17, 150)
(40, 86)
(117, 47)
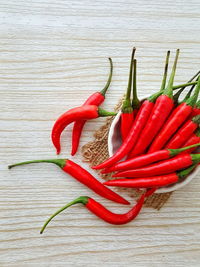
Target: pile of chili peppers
(159, 137)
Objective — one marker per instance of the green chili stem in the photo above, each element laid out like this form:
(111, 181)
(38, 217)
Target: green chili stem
(184, 85)
(135, 101)
(165, 72)
(195, 158)
(182, 174)
(126, 106)
(174, 152)
(193, 99)
(104, 90)
(60, 162)
(105, 113)
(169, 90)
(83, 200)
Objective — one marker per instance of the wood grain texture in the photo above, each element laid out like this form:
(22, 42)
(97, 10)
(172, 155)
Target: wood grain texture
(53, 55)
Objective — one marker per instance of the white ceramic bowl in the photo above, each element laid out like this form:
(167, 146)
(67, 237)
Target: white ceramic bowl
(114, 142)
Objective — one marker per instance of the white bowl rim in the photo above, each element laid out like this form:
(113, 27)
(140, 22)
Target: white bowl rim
(160, 190)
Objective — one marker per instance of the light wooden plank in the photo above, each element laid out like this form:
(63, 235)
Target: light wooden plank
(53, 54)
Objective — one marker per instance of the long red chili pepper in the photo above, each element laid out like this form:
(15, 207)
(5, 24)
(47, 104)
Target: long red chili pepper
(162, 167)
(127, 115)
(158, 116)
(151, 182)
(95, 99)
(86, 112)
(138, 125)
(194, 139)
(100, 211)
(177, 117)
(182, 135)
(82, 176)
(144, 160)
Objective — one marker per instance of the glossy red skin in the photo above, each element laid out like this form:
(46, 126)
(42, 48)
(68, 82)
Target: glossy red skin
(153, 182)
(163, 167)
(126, 123)
(157, 118)
(177, 117)
(91, 182)
(138, 125)
(95, 99)
(194, 139)
(139, 161)
(113, 218)
(86, 112)
(182, 135)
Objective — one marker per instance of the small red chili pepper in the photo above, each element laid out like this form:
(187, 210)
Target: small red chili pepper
(194, 139)
(147, 159)
(100, 211)
(162, 108)
(82, 176)
(175, 120)
(162, 167)
(138, 125)
(154, 181)
(127, 109)
(86, 112)
(182, 135)
(95, 99)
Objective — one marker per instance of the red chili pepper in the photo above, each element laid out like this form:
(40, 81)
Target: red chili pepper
(86, 112)
(82, 176)
(138, 125)
(101, 212)
(182, 135)
(127, 110)
(154, 181)
(158, 116)
(177, 117)
(147, 159)
(95, 99)
(194, 139)
(162, 167)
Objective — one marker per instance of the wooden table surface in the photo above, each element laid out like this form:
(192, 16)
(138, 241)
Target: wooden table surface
(53, 55)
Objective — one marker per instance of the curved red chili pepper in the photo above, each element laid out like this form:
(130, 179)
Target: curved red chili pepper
(162, 167)
(147, 159)
(152, 182)
(182, 135)
(81, 175)
(127, 109)
(101, 212)
(178, 116)
(158, 116)
(138, 125)
(86, 112)
(95, 99)
(194, 139)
